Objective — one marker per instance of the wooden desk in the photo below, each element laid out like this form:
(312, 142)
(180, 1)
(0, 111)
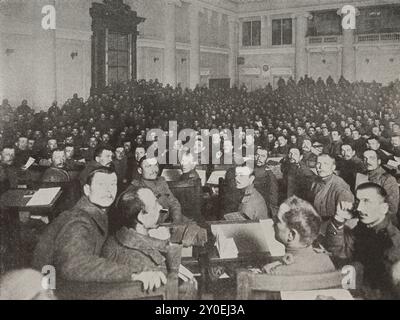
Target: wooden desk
(18, 199)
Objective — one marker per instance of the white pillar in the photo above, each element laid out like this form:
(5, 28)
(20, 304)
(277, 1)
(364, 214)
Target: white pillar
(348, 52)
(170, 43)
(301, 55)
(233, 49)
(2, 64)
(194, 21)
(349, 58)
(44, 48)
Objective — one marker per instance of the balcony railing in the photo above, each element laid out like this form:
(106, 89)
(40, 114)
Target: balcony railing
(324, 39)
(379, 37)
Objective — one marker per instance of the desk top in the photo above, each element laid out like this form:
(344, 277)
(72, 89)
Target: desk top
(18, 199)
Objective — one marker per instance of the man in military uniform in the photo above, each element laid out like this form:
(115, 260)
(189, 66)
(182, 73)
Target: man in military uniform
(253, 204)
(56, 172)
(148, 170)
(266, 182)
(374, 242)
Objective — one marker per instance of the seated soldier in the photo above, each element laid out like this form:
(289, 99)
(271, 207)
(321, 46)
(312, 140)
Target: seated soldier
(374, 241)
(148, 171)
(47, 153)
(8, 173)
(188, 165)
(378, 175)
(141, 244)
(71, 163)
(253, 205)
(121, 165)
(133, 164)
(296, 226)
(57, 172)
(266, 182)
(103, 158)
(72, 243)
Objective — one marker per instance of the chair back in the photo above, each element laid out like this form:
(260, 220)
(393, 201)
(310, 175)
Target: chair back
(252, 286)
(189, 195)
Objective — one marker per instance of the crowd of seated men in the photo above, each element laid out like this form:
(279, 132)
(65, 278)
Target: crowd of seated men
(323, 135)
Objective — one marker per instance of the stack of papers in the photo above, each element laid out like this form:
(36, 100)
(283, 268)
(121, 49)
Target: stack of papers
(226, 246)
(185, 274)
(43, 197)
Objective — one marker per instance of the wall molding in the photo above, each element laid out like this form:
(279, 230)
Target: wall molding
(160, 44)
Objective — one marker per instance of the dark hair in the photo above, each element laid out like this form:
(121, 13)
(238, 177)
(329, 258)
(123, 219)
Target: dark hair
(144, 158)
(129, 206)
(371, 185)
(303, 218)
(99, 150)
(99, 169)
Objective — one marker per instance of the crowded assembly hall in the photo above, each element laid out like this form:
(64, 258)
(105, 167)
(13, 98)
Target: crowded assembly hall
(253, 154)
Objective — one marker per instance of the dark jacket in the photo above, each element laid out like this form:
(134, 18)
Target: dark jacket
(139, 252)
(164, 195)
(72, 243)
(377, 248)
(389, 183)
(266, 184)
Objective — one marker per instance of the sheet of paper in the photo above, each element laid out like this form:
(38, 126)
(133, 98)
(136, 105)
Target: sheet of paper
(215, 175)
(386, 153)
(185, 274)
(275, 248)
(29, 163)
(394, 164)
(360, 179)
(187, 252)
(171, 174)
(337, 294)
(226, 246)
(234, 216)
(43, 197)
(203, 177)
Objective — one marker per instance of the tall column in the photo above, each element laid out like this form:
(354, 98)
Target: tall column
(301, 55)
(2, 64)
(170, 43)
(194, 21)
(348, 58)
(348, 52)
(45, 70)
(233, 49)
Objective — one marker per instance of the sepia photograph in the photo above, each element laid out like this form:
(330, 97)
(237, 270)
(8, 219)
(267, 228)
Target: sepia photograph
(206, 151)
